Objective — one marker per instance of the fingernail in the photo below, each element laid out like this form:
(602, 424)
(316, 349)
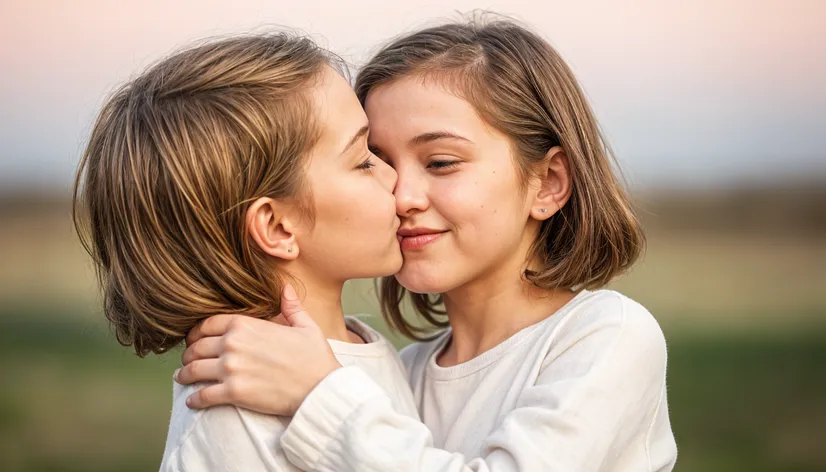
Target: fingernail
(289, 293)
(175, 375)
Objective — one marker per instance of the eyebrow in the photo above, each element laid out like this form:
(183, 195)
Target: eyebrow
(364, 129)
(435, 136)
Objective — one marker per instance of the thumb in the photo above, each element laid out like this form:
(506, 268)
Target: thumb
(292, 310)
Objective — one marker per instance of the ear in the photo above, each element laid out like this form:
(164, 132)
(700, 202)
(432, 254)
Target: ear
(555, 185)
(271, 229)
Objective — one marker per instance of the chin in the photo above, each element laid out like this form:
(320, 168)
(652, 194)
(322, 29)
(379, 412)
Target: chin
(422, 282)
(392, 270)
(392, 265)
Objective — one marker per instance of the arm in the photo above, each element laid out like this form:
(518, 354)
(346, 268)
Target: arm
(596, 396)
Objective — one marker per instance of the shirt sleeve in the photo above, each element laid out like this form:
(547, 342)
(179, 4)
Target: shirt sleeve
(597, 393)
(222, 439)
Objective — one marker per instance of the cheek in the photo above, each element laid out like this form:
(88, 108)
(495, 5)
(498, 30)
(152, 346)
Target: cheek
(460, 199)
(356, 207)
(372, 205)
(480, 205)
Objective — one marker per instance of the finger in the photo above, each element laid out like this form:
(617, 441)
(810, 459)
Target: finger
(290, 303)
(301, 319)
(204, 370)
(204, 348)
(292, 310)
(209, 396)
(212, 326)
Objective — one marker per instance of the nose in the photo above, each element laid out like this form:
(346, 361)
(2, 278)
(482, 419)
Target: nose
(387, 176)
(410, 191)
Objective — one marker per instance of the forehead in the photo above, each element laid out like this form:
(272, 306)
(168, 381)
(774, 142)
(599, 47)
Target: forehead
(337, 110)
(412, 106)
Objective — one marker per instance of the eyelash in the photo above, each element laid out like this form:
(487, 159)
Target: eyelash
(442, 165)
(435, 165)
(366, 165)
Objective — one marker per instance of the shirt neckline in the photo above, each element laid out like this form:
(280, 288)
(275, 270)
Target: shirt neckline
(437, 372)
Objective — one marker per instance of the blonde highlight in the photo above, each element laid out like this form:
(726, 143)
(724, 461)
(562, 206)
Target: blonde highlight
(173, 161)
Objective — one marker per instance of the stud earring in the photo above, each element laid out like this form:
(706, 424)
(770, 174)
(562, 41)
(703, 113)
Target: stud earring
(290, 249)
(543, 210)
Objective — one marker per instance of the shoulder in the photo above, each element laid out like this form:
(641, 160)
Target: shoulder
(608, 324)
(376, 346)
(183, 419)
(610, 310)
(218, 435)
(356, 324)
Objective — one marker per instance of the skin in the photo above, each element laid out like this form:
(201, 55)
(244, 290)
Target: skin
(467, 223)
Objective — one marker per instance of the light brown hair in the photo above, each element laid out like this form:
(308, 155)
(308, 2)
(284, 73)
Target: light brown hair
(521, 86)
(174, 160)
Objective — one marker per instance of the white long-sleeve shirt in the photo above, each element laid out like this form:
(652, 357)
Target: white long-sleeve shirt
(226, 438)
(582, 390)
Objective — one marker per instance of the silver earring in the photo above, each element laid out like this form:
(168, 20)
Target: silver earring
(543, 210)
(290, 249)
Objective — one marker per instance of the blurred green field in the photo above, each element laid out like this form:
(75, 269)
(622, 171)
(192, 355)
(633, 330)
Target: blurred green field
(738, 288)
(74, 400)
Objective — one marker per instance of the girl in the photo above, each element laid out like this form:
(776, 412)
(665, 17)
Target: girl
(513, 219)
(211, 181)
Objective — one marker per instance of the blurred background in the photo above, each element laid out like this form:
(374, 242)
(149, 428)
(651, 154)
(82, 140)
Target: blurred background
(717, 112)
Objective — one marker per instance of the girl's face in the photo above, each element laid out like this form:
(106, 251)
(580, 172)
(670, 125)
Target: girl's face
(354, 230)
(465, 212)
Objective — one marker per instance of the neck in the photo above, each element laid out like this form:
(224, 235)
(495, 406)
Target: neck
(322, 302)
(492, 308)
(324, 307)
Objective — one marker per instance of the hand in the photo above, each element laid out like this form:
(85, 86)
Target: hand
(257, 364)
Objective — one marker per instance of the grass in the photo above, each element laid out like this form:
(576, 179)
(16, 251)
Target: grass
(75, 400)
(749, 403)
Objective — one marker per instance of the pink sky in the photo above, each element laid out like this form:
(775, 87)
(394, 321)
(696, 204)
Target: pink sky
(681, 87)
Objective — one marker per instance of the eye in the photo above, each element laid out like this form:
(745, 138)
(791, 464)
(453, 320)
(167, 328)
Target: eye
(442, 165)
(367, 164)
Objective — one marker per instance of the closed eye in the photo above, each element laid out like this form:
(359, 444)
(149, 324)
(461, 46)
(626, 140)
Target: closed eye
(367, 164)
(442, 165)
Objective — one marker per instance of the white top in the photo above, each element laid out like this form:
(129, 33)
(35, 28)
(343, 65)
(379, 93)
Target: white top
(582, 390)
(226, 438)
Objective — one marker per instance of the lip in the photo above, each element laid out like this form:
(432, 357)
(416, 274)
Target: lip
(418, 238)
